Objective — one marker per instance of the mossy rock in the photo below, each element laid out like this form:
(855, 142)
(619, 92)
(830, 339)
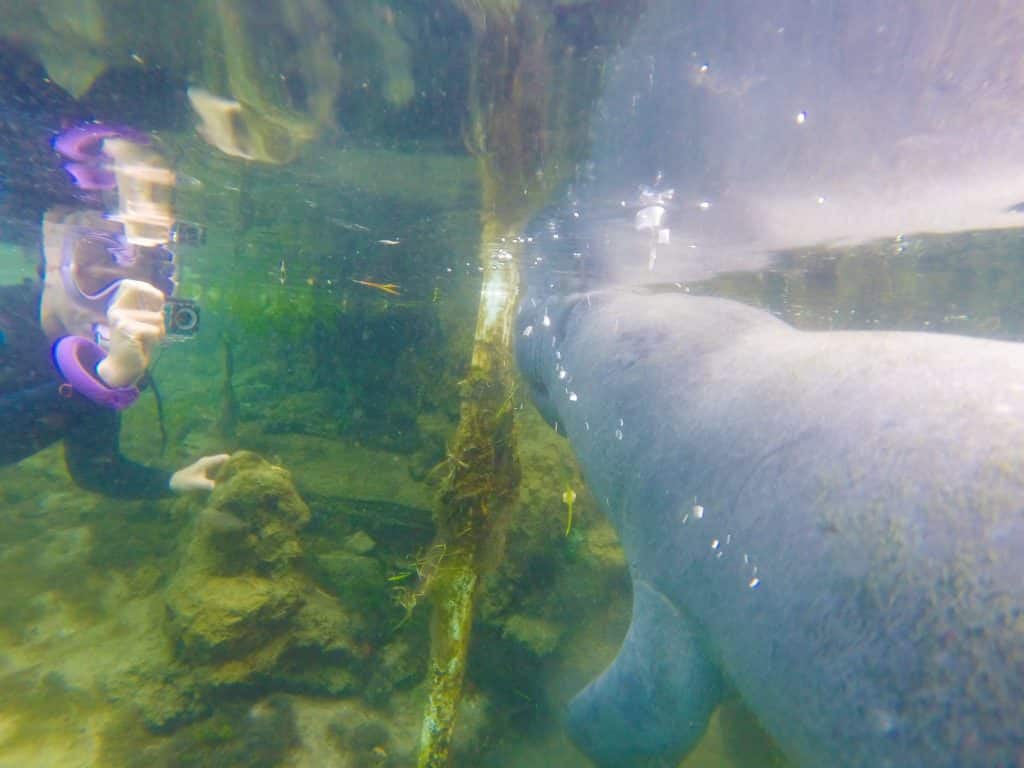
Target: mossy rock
(603, 548)
(251, 521)
(258, 492)
(538, 636)
(241, 611)
(219, 618)
(358, 580)
(400, 665)
(322, 624)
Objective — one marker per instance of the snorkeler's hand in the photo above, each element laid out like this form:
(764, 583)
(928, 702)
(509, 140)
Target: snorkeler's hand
(196, 477)
(135, 318)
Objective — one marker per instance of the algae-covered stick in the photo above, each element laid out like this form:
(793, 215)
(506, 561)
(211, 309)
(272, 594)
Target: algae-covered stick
(478, 491)
(484, 476)
(529, 95)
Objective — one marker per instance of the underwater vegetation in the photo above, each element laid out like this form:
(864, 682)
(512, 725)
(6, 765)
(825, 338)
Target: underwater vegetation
(170, 639)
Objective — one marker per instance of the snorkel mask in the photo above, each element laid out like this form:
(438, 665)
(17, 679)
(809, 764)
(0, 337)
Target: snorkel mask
(87, 256)
(82, 148)
(88, 253)
(122, 170)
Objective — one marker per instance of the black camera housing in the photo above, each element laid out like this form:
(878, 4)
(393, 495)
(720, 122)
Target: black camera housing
(181, 317)
(188, 233)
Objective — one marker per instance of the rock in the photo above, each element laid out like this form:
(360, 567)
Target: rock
(261, 736)
(475, 728)
(399, 665)
(603, 548)
(66, 548)
(360, 543)
(538, 636)
(367, 741)
(240, 609)
(359, 581)
(216, 618)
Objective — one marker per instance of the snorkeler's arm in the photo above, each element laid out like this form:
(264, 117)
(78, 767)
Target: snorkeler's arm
(31, 419)
(36, 417)
(93, 455)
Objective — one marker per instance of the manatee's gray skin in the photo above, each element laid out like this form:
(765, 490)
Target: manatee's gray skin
(829, 523)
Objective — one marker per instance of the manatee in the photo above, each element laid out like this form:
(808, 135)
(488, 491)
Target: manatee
(829, 524)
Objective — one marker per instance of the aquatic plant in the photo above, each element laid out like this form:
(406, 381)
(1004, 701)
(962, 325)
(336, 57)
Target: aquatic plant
(568, 498)
(227, 420)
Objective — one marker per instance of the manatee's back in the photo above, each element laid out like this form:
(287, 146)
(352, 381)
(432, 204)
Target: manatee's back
(843, 513)
(881, 479)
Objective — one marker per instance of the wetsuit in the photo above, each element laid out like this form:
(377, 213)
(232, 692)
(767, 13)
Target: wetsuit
(32, 111)
(37, 409)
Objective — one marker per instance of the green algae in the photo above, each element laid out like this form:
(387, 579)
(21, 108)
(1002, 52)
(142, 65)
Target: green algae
(234, 737)
(240, 603)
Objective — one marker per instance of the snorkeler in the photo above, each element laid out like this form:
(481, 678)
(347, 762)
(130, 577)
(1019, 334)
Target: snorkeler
(71, 358)
(72, 354)
(57, 382)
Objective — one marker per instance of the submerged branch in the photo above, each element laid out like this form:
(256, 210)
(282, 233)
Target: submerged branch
(476, 497)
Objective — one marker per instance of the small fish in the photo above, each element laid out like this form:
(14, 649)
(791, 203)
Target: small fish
(347, 224)
(390, 242)
(390, 288)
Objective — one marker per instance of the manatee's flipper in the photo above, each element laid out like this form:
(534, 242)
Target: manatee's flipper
(652, 705)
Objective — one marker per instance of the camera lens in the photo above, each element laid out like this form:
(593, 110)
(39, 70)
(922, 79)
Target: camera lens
(181, 317)
(185, 319)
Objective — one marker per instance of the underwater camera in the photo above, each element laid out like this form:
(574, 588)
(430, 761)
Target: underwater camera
(181, 316)
(188, 233)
